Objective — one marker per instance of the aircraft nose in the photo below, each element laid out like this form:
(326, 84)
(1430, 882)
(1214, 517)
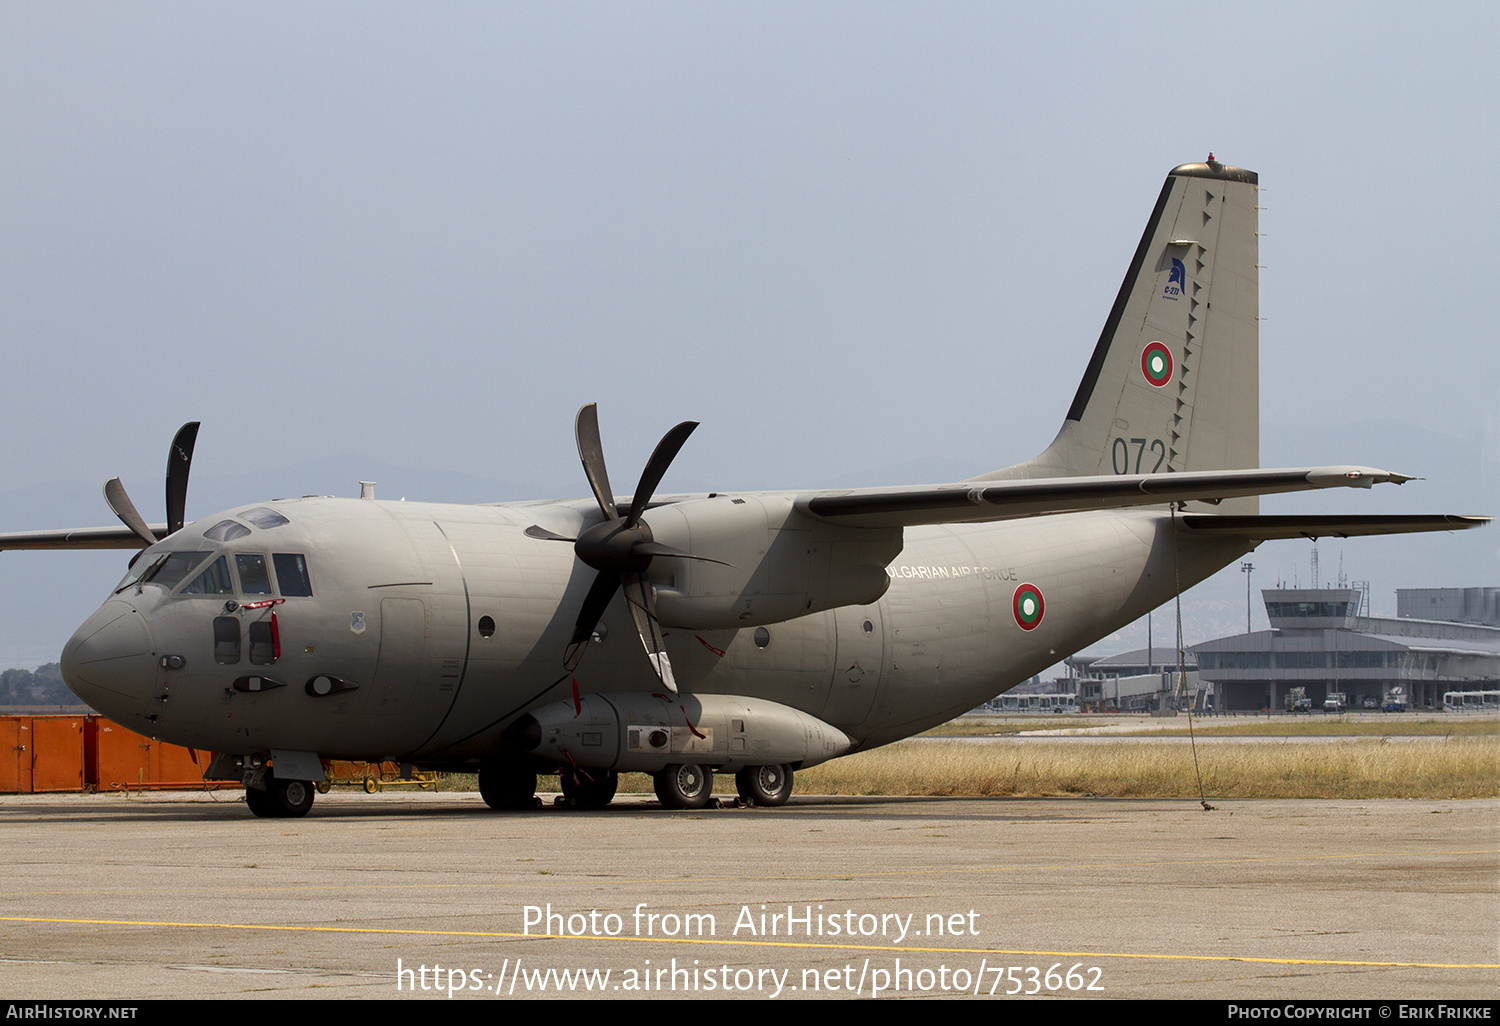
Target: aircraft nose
(111, 656)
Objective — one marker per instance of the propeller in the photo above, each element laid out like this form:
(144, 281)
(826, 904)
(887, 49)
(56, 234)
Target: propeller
(179, 462)
(621, 548)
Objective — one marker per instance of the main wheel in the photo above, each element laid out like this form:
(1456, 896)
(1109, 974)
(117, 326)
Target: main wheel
(684, 786)
(764, 785)
(282, 799)
(589, 789)
(262, 803)
(504, 785)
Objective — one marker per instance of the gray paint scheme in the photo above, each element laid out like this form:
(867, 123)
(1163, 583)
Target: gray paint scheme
(837, 621)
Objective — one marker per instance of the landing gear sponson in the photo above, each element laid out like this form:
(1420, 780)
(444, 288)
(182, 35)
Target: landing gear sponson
(681, 741)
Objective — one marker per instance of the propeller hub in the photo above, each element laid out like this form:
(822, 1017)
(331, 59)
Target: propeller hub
(611, 546)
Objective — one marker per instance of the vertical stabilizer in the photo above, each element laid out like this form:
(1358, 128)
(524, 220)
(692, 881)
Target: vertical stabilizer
(1174, 382)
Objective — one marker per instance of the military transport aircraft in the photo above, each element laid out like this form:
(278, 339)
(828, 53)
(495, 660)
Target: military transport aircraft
(688, 635)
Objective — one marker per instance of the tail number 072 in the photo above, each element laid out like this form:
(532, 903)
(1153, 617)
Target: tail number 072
(1120, 455)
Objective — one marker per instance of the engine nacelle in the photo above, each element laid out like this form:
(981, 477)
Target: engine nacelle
(635, 731)
(785, 563)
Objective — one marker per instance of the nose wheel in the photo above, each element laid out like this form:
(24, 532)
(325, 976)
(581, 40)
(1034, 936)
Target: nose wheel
(281, 799)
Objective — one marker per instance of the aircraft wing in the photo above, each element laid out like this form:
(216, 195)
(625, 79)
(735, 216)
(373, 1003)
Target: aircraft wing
(1270, 528)
(79, 538)
(977, 502)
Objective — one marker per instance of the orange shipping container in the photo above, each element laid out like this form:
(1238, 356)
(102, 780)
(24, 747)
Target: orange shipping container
(59, 753)
(125, 760)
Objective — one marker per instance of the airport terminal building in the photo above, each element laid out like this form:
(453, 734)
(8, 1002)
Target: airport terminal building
(1440, 640)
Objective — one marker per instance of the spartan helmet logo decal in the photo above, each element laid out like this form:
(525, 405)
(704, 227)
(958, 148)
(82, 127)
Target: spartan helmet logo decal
(1176, 280)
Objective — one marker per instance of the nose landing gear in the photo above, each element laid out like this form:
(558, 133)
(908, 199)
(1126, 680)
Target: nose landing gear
(281, 799)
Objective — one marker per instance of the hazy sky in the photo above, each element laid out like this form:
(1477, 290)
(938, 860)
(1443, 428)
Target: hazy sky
(843, 236)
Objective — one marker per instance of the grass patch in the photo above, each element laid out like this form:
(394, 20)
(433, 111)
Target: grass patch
(1358, 768)
(1316, 725)
(1335, 727)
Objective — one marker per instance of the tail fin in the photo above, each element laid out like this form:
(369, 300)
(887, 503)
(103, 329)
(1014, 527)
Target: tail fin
(1174, 382)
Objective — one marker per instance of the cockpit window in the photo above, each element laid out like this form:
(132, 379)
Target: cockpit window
(291, 574)
(254, 578)
(226, 530)
(166, 570)
(264, 517)
(212, 581)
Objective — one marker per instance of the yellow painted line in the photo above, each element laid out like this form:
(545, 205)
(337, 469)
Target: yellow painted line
(555, 878)
(804, 945)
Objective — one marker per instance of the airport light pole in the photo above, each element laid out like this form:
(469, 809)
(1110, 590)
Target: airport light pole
(1245, 568)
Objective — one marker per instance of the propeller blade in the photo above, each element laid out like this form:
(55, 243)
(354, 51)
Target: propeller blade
(114, 494)
(641, 599)
(591, 451)
(594, 603)
(179, 462)
(658, 549)
(621, 548)
(656, 468)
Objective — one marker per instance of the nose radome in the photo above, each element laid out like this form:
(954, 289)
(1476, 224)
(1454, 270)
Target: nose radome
(111, 652)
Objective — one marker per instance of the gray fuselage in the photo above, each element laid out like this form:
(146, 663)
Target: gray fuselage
(431, 628)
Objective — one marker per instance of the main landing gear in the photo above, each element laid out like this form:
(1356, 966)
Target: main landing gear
(511, 786)
(589, 789)
(684, 786)
(764, 785)
(507, 786)
(688, 786)
(281, 799)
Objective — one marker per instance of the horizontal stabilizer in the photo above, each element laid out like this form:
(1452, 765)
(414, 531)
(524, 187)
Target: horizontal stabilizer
(1270, 528)
(975, 502)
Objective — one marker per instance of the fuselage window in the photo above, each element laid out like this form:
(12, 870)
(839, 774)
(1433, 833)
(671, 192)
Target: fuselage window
(167, 570)
(226, 530)
(212, 581)
(291, 574)
(254, 578)
(263, 517)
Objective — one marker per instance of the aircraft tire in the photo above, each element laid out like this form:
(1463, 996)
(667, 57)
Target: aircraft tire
(262, 803)
(282, 799)
(507, 787)
(764, 785)
(589, 789)
(293, 797)
(684, 786)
